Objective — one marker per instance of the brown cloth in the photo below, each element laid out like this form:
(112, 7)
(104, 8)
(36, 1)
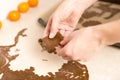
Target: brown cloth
(112, 1)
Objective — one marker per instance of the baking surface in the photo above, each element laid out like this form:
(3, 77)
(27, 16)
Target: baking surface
(103, 66)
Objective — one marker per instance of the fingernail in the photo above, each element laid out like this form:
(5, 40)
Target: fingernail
(51, 35)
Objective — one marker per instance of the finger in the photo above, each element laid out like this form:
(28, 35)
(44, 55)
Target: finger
(64, 51)
(47, 29)
(53, 29)
(62, 32)
(58, 51)
(67, 33)
(65, 55)
(62, 29)
(67, 58)
(65, 41)
(75, 58)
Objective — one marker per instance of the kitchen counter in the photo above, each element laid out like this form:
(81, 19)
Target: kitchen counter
(103, 66)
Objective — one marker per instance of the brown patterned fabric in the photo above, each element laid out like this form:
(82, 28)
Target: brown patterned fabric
(112, 1)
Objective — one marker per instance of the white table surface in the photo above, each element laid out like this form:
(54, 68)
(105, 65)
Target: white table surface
(104, 65)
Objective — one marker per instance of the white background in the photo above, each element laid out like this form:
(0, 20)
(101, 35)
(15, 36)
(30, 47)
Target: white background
(105, 65)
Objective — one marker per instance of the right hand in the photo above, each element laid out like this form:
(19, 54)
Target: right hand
(81, 44)
(63, 20)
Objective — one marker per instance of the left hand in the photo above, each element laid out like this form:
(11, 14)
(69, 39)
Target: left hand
(64, 19)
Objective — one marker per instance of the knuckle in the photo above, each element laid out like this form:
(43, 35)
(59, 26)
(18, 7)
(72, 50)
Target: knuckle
(74, 58)
(68, 53)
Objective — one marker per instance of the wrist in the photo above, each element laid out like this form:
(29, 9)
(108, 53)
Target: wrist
(100, 34)
(107, 35)
(94, 34)
(79, 5)
(82, 5)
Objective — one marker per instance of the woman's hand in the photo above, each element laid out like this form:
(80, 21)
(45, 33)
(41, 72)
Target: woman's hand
(83, 43)
(80, 45)
(64, 19)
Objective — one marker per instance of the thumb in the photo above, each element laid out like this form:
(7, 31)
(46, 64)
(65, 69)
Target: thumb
(47, 28)
(53, 29)
(65, 41)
